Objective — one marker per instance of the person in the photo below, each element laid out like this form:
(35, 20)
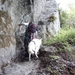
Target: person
(30, 33)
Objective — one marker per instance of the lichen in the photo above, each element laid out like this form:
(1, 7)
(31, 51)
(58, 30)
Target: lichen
(1, 42)
(52, 18)
(6, 30)
(3, 1)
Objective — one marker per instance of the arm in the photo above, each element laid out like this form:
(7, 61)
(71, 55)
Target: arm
(24, 24)
(33, 35)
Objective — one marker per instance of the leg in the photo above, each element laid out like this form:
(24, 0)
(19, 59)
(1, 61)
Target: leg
(26, 47)
(36, 55)
(26, 50)
(29, 56)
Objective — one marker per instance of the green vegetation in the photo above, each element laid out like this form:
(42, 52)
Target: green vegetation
(51, 71)
(64, 42)
(66, 35)
(67, 17)
(54, 57)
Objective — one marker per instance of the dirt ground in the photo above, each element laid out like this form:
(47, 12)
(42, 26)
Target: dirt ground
(51, 62)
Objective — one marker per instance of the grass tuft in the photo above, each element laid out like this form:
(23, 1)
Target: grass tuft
(63, 36)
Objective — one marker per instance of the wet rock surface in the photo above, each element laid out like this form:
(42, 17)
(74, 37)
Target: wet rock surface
(23, 68)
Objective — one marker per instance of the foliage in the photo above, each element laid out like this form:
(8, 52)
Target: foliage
(67, 17)
(64, 36)
(54, 57)
(63, 17)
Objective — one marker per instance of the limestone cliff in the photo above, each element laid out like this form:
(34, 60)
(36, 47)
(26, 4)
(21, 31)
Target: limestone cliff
(12, 12)
(7, 34)
(47, 18)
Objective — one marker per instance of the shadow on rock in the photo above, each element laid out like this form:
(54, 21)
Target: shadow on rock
(21, 56)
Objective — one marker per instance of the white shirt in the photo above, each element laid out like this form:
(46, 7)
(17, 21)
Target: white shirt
(24, 23)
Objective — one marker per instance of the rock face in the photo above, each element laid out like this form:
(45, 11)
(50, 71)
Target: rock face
(44, 13)
(47, 18)
(7, 35)
(13, 12)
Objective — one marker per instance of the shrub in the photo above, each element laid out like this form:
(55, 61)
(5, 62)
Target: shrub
(64, 35)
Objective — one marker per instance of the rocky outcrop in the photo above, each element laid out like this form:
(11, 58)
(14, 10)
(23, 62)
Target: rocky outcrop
(13, 12)
(7, 35)
(44, 13)
(38, 8)
(47, 19)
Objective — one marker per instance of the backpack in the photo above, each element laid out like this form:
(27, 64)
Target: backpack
(32, 27)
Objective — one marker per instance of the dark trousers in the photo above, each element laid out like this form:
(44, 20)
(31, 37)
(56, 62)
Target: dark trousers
(26, 42)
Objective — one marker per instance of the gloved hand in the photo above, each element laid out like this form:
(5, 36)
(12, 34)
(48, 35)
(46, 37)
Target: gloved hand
(19, 24)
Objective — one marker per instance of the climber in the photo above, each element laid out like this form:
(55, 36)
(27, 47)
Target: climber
(30, 33)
